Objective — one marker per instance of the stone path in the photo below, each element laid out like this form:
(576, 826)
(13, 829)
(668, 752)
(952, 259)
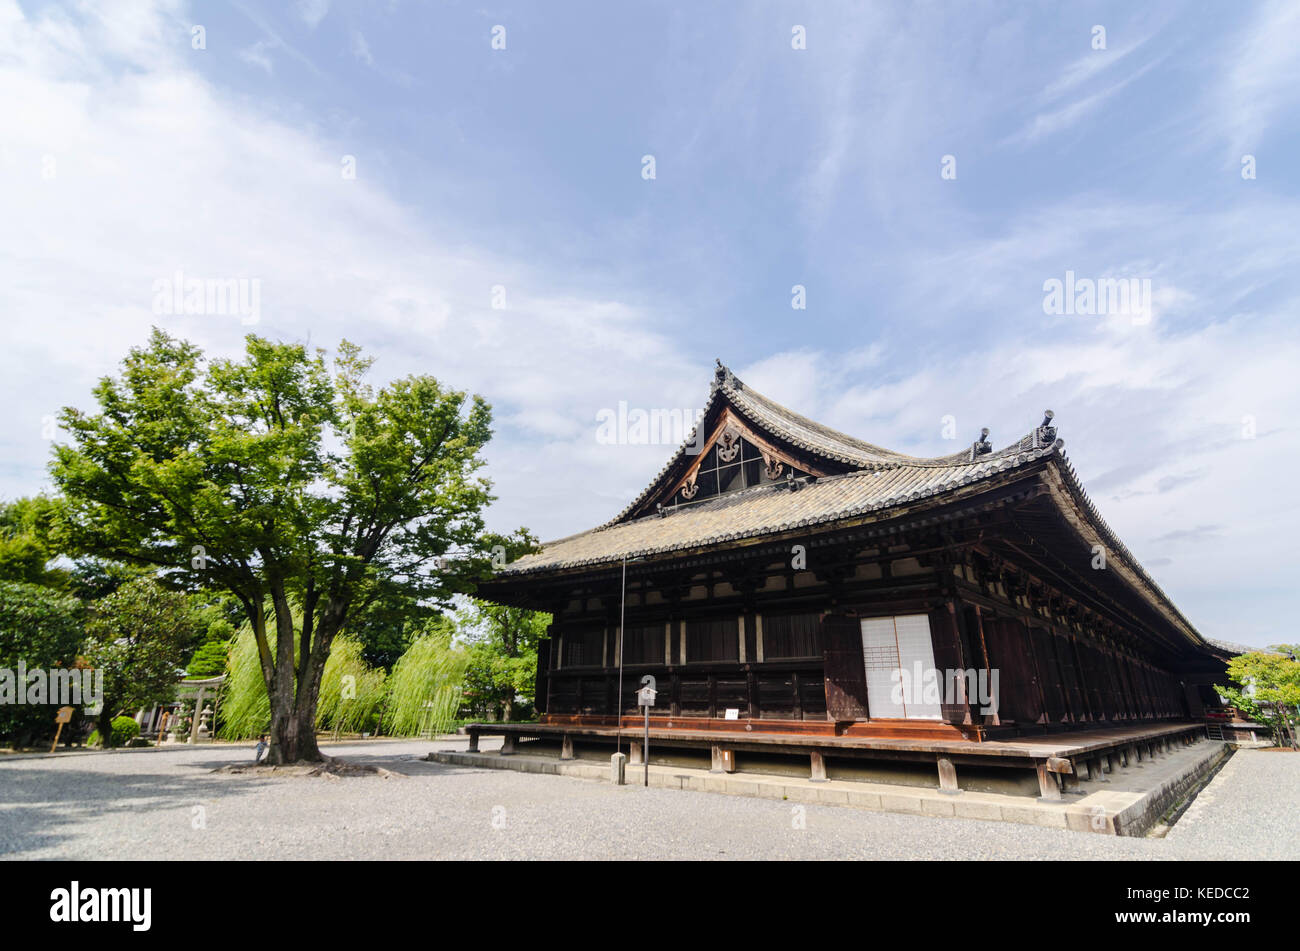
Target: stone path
(167, 804)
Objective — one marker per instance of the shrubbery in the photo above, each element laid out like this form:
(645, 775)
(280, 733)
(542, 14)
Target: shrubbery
(125, 729)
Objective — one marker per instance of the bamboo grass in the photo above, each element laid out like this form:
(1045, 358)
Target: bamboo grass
(422, 694)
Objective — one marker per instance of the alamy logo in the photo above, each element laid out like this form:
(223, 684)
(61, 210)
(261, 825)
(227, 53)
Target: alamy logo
(1129, 297)
(102, 904)
(924, 684)
(62, 686)
(227, 296)
(655, 427)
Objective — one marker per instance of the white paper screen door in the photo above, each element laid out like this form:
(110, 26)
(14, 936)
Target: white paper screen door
(899, 643)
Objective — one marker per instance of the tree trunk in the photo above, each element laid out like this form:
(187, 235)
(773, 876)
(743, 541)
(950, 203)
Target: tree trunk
(105, 727)
(293, 730)
(508, 709)
(293, 715)
(294, 693)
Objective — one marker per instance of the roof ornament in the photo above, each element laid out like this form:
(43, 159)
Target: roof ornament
(981, 446)
(772, 466)
(729, 444)
(1045, 434)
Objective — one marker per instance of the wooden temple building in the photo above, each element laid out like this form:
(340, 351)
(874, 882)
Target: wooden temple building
(793, 588)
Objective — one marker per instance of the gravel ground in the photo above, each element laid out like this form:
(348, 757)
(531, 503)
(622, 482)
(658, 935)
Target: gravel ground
(167, 804)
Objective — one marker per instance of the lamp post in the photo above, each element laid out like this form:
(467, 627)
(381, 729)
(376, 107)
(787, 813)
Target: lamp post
(618, 642)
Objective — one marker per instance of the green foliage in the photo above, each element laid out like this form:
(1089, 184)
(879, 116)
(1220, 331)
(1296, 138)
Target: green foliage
(425, 687)
(125, 729)
(350, 690)
(387, 626)
(136, 637)
(209, 660)
(502, 645)
(94, 578)
(245, 708)
(27, 530)
(1267, 691)
(281, 482)
(43, 628)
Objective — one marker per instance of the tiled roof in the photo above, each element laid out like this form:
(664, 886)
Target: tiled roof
(880, 479)
(812, 437)
(1233, 648)
(763, 510)
(876, 481)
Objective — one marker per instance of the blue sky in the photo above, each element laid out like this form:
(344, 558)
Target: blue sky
(127, 155)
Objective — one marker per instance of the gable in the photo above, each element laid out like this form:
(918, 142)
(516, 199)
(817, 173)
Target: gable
(769, 442)
(734, 456)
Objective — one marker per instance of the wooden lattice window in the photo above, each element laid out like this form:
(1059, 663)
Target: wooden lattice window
(716, 640)
(584, 647)
(643, 644)
(730, 468)
(791, 636)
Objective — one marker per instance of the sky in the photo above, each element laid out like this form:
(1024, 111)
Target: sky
(568, 206)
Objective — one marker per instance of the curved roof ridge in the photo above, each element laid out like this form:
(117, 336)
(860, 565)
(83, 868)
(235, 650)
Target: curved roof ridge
(844, 495)
(1115, 545)
(815, 438)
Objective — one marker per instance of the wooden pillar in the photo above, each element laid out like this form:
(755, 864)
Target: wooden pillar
(953, 655)
(993, 718)
(1027, 638)
(566, 746)
(509, 746)
(473, 741)
(947, 776)
(1047, 787)
(1095, 772)
(724, 760)
(818, 765)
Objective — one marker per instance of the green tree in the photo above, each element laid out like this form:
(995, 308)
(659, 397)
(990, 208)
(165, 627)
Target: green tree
(425, 688)
(136, 636)
(1268, 690)
(209, 660)
(218, 622)
(27, 541)
(388, 625)
(93, 578)
(284, 483)
(42, 628)
(502, 647)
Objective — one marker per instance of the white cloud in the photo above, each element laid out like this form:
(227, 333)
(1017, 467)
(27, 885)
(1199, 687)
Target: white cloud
(256, 55)
(1258, 81)
(1060, 118)
(156, 172)
(361, 49)
(313, 11)
(1156, 425)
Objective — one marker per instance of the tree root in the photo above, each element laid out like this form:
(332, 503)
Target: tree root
(327, 766)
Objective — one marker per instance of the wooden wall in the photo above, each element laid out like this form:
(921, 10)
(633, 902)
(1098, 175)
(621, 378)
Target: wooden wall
(1055, 671)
